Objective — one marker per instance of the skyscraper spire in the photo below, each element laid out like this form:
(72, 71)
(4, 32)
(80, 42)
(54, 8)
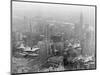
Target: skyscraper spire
(81, 18)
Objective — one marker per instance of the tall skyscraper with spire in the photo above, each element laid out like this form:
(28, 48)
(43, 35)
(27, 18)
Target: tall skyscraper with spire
(81, 19)
(79, 27)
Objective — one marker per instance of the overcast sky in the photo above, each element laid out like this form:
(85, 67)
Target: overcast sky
(70, 13)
